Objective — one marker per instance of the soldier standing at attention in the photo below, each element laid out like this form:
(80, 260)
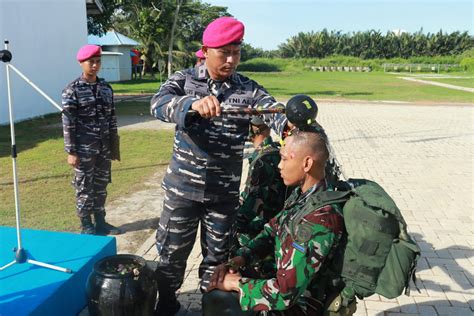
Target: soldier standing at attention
(203, 178)
(301, 238)
(88, 129)
(265, 192)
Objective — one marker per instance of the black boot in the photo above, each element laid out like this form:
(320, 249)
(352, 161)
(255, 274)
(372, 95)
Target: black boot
(167, 306)
(87, 225)
(104, 228)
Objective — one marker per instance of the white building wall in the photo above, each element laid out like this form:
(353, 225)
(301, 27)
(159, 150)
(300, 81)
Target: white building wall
(125, 61)
(44, 38)
(110, 68)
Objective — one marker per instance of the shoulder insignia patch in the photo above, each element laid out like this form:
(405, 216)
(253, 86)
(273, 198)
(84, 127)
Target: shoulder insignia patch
(303, 232)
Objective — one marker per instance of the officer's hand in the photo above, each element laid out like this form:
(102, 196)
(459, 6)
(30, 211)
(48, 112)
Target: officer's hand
(73, 160)
(218, 276)
(207, 107)
(235, 263)
(230, 283)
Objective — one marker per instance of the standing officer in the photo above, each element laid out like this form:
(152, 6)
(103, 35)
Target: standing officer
(203, 178)
(88, 129)
(302, 237)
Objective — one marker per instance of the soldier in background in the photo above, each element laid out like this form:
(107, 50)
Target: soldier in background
(302, 237)
(264, 193)
(200, 58)
(88, 127)
(203, 178)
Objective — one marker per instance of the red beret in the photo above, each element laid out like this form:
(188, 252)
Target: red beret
(88, 51)
(223, 31)
(200, 54)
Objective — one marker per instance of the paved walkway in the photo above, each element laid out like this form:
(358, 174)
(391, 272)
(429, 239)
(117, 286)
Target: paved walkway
(423, 157)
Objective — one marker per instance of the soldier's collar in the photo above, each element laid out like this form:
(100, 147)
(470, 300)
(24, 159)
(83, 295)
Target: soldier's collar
(302, 197)
(82, 80)
(201, 72)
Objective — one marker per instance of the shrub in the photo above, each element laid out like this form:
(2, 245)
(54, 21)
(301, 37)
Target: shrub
(467, 64)
(259, 65)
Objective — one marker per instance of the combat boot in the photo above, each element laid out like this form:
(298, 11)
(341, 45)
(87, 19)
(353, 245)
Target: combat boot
(104, 228)
(167, 307)
(87, 225)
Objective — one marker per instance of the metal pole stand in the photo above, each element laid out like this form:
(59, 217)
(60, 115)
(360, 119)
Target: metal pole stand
(21, 255)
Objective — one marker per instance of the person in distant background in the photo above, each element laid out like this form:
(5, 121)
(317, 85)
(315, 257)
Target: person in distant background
(200, 58)
(136, 65)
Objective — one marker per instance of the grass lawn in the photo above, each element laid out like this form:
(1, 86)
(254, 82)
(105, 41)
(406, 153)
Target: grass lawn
(337, 85)
(145, 85)
(46, 194)
(358, 86)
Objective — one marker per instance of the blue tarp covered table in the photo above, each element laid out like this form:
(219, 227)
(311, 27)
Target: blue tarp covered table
(27, 289)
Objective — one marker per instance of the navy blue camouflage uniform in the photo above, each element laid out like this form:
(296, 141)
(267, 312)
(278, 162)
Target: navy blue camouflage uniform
(203, 178)
(87, 134)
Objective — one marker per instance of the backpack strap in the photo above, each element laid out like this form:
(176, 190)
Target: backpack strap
(319, 200)
(333, 197)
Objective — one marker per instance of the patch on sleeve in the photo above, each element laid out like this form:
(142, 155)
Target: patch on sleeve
(303, 234)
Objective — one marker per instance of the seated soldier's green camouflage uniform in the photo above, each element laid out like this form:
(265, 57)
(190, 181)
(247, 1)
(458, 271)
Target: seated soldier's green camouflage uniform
(87, 134)
(262, 198)
(203, 178)
(300, 244)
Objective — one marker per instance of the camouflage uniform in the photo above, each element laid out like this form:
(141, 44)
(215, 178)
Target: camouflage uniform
(301, 242)
(264, 193)
(262, 198)
(87, 134)
(203, 178)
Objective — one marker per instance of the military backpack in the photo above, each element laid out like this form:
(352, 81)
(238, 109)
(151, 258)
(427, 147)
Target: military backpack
(376, 255)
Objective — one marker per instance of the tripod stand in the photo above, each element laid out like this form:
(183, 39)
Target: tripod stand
(21, 255)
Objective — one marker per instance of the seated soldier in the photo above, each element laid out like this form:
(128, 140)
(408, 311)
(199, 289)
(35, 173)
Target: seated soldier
(264, 192)
(301, 237)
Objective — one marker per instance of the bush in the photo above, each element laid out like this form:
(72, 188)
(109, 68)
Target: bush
(259, 65)
(467, 64)
(468, 53)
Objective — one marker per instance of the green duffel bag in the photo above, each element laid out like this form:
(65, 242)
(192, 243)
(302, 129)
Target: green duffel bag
(378, 255)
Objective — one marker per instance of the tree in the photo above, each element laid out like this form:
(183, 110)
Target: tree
(372, 44)
(143, 20)
(173, 28)
(99, 24)
(159, 23)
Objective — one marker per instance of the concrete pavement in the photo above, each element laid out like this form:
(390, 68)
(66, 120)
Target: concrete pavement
(423, 157)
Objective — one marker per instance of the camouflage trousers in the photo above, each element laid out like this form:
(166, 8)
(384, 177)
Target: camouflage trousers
(176, 235)
(221, 303)
(90, 181)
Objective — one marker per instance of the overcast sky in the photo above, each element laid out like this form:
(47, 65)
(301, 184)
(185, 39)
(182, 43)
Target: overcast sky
(270, 22)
